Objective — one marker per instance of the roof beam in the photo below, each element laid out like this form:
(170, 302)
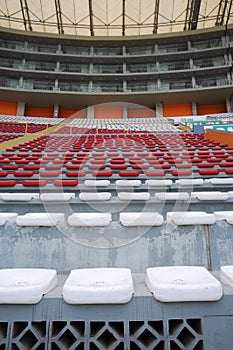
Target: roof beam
(91, 18)
(223, 11)
(156, 16)
(59, 17)
(192, 14)
(25, 14)
(123, 17)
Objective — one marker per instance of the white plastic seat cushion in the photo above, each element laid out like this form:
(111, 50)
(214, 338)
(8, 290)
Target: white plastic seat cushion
(39, 219)
(128, 183)
(23, 197)
(172, 196)
(189, 182)
(141, 219)
(25, 286)
(183, 283)
(97, 183)
(137, 196)
(7, 217)
(57, 197)
(224, 215)
(220, 181)
(89, 219)
(158, 183)
(226, 275)
(95, 196)
(99, 286)
(191, 218)
(210, 196)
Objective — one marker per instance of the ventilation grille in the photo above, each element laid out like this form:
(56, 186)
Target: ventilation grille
(175, 334)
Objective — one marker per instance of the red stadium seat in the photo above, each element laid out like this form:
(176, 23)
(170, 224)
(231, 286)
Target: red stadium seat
(140, 166)
(205, 165)
(128, 173)
(75, 173)
(181, 172)
(152, 173)
(62, 183)
(23, 173)
(7, 183)
(50, 173)
(226, 164)
(35, 183)
(118, 166)
(106, 173)
(3, 173)
(208, 172)
(74, 167)
(31, 167)
(10, 167)
(96, 166)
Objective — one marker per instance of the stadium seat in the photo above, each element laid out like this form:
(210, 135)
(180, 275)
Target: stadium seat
(39, 219)
(25, 286)
(128, 183)
(99, 286)
(7, 217)
(95, 196)
(190, 218)
(90, 219)
(210, 195)
(172, 196)
(224, 215)
(56, 197)
(226, 275)
(128, 173)
(183, 283)
(65, 183)
(141, 219)
(22, 197)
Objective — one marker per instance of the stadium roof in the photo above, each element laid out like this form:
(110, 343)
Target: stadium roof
(114, 17)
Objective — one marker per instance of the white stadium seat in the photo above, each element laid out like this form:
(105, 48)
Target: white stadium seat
(25, 286)
(183, 283)
(99, 286)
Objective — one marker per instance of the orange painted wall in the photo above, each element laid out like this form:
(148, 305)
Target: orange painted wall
(141, 113)
(211, 109)
(39, 112)
(219, 136)
(108, 112)
(66, 113)
(176, 110)
(8, 108)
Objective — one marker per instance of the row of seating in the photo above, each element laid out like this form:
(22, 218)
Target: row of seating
(21, 127)
(24, 119)
(123, 196)
(114, 285)
(151, 183)
(126, 219)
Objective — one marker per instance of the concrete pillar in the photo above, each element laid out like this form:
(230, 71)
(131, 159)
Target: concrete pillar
(91, 112)
(20, 108)
(229, 104)
(125, 112)
(159, 109)
(56, 111)
(194, 108)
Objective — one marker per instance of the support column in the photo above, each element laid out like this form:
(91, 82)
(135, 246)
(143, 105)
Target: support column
(91, 112)
(55, 111)
(125, 112)
(20, 108)
(229, 104)
(159, 109)
(194, 108)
